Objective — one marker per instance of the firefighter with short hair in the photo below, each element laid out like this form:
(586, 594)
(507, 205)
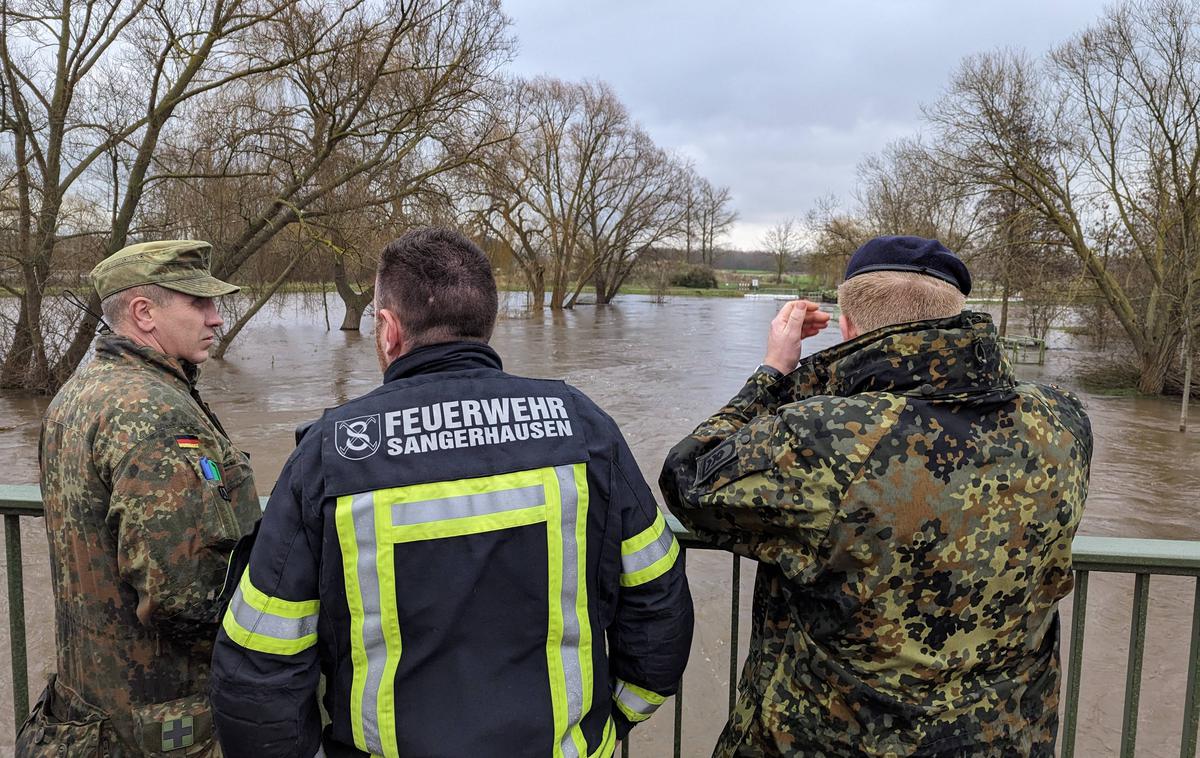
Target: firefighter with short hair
(472, 558)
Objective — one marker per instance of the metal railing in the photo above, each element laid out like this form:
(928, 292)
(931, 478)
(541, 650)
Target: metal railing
(1140, 557)
(1021, 349)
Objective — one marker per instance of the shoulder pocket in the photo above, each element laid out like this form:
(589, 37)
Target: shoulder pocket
(229, 494)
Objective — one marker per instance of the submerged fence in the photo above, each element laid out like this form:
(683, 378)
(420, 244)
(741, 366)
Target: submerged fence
(1139, 557)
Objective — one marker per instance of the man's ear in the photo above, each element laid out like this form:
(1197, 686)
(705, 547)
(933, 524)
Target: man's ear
(392, 334)
(849, 330)
(140, 314)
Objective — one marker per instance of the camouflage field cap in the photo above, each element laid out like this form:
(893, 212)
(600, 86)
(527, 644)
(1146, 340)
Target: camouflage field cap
(180, 265)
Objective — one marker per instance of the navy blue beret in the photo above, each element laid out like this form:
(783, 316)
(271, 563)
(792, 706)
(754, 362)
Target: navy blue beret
(918, 254)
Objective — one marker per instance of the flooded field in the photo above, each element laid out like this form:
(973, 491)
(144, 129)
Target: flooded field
(659, 369)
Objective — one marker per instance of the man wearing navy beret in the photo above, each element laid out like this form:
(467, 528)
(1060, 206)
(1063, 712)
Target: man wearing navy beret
(911, 505)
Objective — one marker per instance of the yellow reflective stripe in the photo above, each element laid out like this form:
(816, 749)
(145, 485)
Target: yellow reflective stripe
(581, 600)
(554, 632)
(608, 743)
(631, 714)
(484, 504)
(650, 696)
(426, 496)
(344, 519)
(472, 525)
(637, 703)
(262, 643)
(268, 624)
(654, 570)
(645, 537)
(264, 603)
(568, 632)
(390, 614)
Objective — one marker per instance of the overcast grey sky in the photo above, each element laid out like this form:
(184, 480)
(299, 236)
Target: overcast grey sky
(779, 100)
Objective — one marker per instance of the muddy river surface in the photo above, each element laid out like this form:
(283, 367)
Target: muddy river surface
(658, 369)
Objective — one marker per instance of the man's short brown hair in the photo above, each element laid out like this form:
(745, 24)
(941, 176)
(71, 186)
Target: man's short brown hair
(440, 286)
(883, 298)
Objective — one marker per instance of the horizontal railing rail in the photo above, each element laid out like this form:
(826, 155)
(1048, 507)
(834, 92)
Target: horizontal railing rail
(1141, 557)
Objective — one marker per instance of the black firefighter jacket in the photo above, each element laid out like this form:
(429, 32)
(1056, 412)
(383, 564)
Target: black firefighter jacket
(473, 561)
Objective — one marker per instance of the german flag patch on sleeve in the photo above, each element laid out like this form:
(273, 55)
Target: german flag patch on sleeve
(187, 441)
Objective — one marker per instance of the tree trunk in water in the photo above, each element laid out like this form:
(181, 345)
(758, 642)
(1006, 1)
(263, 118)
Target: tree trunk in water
(15, 372)
(600, 282)
(356, 302)
(1155, 365)
(1187, 380)
(26, 366)
(535, 282)
(352, 320)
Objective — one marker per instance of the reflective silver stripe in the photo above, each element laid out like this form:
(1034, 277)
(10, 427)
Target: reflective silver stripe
(572, 666)
(465, 506)
(268, 624)
(634, 701)
(363, 509)
(647, 556)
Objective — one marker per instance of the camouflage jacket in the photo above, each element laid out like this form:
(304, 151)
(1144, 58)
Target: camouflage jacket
(145, 497)
(911, 507)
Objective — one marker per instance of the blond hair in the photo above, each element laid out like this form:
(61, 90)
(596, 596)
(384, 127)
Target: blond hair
(883, 298)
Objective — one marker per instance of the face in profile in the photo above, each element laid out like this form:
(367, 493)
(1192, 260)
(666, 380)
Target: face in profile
(185, 326)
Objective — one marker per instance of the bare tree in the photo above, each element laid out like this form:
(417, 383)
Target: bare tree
(81, 127)
(637, 203)
(782, 241)
(1110, 121)
(835, 235)
(903, 190)
(537, 190)
(714, 215)
(362, 125)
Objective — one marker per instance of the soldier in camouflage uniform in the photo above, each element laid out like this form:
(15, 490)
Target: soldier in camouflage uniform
(911, 506)
(145, 498)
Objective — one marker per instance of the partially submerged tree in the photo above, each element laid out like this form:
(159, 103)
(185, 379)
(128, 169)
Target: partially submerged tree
(1109, 123)
(577, 193)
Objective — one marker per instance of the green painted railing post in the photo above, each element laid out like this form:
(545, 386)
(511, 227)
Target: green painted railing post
(1133, 673)
(1075, 663)
(679, 692)
(1191, 707)
(16, 616)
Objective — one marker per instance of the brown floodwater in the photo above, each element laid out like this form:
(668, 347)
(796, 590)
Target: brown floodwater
(659, 369)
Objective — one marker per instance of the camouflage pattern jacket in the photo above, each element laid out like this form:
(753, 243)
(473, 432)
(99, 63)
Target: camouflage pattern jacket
(911, 507)
(145, 498)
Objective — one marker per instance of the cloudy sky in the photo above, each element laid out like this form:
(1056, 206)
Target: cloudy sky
(779, 100)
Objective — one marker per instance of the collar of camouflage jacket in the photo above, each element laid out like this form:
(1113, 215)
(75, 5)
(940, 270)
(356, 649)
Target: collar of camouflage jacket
(953, 356)
(114, 347)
